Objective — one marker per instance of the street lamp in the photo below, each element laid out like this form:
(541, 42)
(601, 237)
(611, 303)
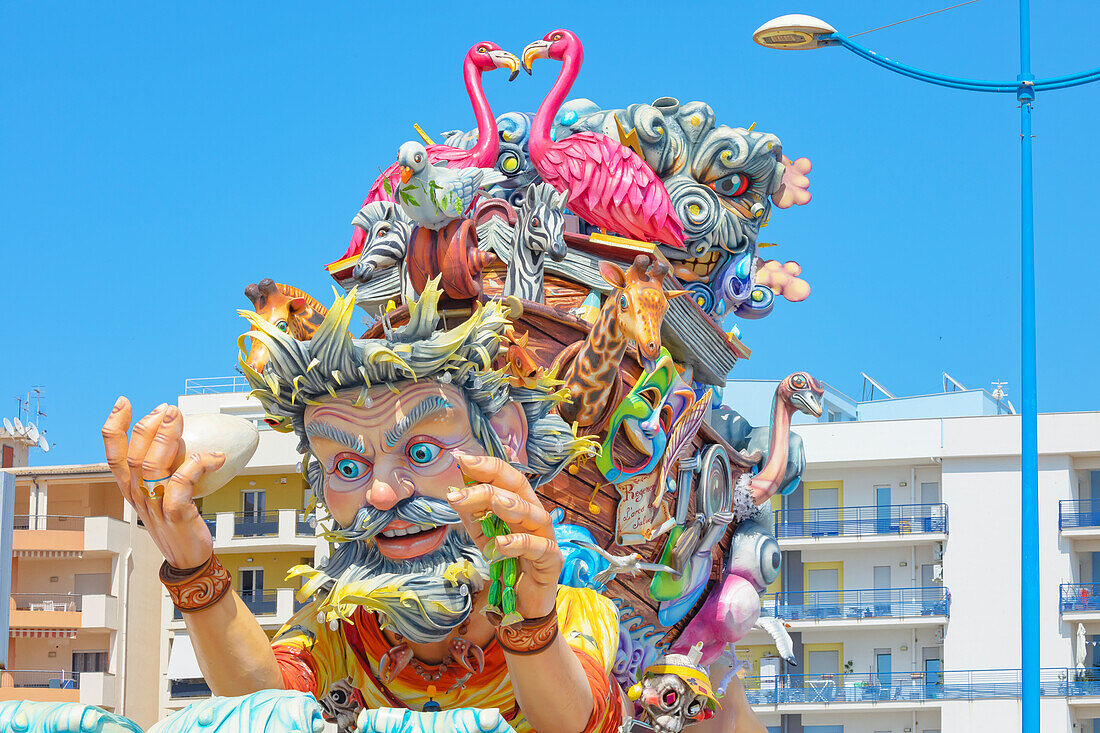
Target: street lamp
(802, 32)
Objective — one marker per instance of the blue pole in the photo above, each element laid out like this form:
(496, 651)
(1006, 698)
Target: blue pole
(7, 524)
(1029, 445)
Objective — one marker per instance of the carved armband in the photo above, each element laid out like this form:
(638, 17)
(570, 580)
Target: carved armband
(198, 588)
(529, 636)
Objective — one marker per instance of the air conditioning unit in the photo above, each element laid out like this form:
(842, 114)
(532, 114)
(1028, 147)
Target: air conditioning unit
(937, 551)
(937, 573)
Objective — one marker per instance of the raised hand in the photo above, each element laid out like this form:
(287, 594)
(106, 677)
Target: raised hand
(505, 492)
(151, 457)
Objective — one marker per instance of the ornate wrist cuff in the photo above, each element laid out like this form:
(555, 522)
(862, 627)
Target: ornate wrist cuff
(198, 588)
(529, 636)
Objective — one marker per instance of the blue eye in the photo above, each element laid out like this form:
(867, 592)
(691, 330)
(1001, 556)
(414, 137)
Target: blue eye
(622, 302)
(423, 452)
(350, 468)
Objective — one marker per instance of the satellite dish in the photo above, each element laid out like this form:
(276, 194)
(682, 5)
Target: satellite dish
(18, 425)
(9, 427)
(43, 444)
(32, 433)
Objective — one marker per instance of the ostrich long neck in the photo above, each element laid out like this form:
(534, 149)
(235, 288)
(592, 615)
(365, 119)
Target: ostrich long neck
(485, 151)
(780, 442)
(544, 118)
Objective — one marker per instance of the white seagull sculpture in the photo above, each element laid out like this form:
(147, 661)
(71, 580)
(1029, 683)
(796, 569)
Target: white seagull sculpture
(631, 564)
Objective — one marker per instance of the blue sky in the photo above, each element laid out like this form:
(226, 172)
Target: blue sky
(157, 158)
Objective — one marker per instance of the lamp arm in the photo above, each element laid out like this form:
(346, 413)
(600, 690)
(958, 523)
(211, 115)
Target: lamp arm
(912, 72)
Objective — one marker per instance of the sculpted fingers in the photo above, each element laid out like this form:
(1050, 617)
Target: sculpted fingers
(489, 470)
(542, 555)
(519, 514)
(178, 505)
(158, 460)
(115, 444)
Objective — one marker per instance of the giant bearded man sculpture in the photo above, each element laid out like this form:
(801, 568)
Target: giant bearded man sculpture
(392, 429)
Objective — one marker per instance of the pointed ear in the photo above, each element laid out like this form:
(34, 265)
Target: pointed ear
(613, 274)
(391, 213)
(297, 305)
(530, 197)
(561, 199)
(511, 425)
(670, 294)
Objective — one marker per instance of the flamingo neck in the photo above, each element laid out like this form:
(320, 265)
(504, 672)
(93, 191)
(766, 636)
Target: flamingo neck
(485, 151)
(548, 110)
(780, 441)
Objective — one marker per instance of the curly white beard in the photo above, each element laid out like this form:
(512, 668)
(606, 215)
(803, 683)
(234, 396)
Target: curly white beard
(414, 597)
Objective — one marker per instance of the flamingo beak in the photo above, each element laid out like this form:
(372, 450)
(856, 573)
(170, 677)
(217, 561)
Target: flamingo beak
(406, 174)
(505, 60)
(535, 50)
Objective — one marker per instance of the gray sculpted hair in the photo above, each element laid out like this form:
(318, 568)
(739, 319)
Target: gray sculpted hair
(300, 373)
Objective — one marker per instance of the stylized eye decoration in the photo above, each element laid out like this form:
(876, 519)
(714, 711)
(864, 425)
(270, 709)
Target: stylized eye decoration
(418, 157)
(483, 49)
(694, 709)
(535, 222)
(734, 184)
(352, 468)
(556, 37)
(282, 326)
(622, 302)
(383, 230)
(423, 452)
(799, 381)
(669, 698)
(508, 162)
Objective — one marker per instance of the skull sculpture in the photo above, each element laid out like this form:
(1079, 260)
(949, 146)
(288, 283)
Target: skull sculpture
(675, 692)
(342, 705)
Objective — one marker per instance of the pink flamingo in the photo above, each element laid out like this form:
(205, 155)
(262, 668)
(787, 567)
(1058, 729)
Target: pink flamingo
(481, 57)
(609, 184)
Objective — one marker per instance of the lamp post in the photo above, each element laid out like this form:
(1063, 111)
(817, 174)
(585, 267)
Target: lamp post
(803, 32)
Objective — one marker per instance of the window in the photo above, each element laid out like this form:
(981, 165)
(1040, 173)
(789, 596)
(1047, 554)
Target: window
(88, 662)
(252, 582)
(253, 503)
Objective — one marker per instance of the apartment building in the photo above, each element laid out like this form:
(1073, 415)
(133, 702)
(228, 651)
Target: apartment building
(84, 606)
(261, 529)
(901, 567)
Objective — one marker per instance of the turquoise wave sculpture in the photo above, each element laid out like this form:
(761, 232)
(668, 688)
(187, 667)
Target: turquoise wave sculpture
(23, 716)
(459, 720)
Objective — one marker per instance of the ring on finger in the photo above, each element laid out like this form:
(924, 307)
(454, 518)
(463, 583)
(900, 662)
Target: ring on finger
(155, 487)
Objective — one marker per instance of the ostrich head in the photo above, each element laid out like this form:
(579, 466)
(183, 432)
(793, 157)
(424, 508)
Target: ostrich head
(802, 392)
(413, 158)
(486, 56)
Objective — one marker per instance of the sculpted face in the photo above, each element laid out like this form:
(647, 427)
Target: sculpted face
(398, 447)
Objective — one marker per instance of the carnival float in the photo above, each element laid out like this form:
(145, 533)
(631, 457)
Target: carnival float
(619, 245)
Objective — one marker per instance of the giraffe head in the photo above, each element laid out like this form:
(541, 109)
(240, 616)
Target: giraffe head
(286, 308)
(640, 301)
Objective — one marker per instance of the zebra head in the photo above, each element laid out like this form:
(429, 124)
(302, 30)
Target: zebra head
(542, 220)
(386, 241)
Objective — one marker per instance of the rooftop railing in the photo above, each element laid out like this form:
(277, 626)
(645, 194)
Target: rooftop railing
(1080, 597)
(41, 678)
(1078, 514)
(216, 385)
(859, 521)
(255, 524)
(51, 521)
(857, 604)
(916, 686)
(47, 601)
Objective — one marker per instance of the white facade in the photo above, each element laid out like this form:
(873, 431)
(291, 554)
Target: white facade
(971, 464)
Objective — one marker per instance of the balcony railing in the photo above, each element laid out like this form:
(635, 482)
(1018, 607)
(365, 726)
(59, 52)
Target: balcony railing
(41, 678)
(23, 521)
(255, 524)
(302, 527)
(916, 686)
(211, 523)
(859, 521)
(47, 601)
(189, 688)
(1075, 514)
(260, 602)
(857, 604)
(215, 385)
(1080, 597)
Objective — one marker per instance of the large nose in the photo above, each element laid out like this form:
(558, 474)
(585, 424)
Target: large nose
(390, 487)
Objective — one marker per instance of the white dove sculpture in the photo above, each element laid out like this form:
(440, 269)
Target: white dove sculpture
(434, 195)
(631, 564)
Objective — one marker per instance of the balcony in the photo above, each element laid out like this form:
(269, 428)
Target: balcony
(272, 607)
(277, 530)
(1080, 603)
(859, 608)
(911, 690)
(63, 611)
(860, 526)
(66, 536)
(39, 685)
(1079, 522)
